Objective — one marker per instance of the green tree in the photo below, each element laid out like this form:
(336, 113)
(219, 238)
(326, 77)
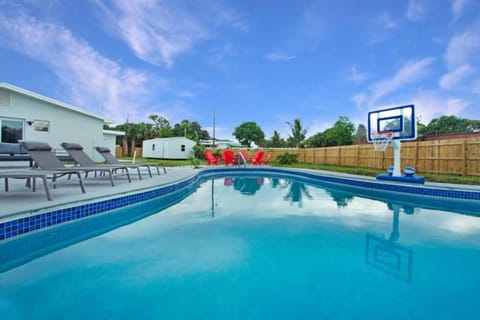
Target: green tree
(451, 124)
(249, 132)
(421, 128)
(342, 132)
(276, 141)
(191, 130)
(361, 134)
(317, 140)
(298, 133)
(161, 126)
(338, 135)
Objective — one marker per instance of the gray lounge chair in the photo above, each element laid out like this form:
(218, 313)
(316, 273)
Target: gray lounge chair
(109, 158)
(32, 174)
(75, 151)
(45, 159)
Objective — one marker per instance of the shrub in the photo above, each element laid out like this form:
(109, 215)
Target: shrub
(195, 162)
(287, 158)
(198, 151)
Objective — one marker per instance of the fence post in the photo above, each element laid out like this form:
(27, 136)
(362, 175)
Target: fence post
(415, 161)
(464, 156)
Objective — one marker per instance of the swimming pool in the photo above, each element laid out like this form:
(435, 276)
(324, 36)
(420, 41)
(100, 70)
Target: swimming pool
(252, 247)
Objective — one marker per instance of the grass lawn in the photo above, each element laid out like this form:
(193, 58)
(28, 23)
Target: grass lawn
(430, 177)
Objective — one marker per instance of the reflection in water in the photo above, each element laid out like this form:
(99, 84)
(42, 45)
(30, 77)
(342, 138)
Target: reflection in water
(341, 198)
(247, 186)
(296, 192)
(386, 254)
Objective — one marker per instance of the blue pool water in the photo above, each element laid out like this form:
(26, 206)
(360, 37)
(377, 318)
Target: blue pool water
(247, 247)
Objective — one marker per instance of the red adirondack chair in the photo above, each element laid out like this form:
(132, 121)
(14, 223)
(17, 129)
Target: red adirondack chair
(228, 157)
(211, 159)
(257, 160)
(267, 158)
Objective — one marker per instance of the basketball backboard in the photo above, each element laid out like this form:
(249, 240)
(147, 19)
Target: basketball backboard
(400, 121)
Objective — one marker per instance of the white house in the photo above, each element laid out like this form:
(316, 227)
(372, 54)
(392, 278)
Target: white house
(168, 148)
(25, 115)
(221, 143)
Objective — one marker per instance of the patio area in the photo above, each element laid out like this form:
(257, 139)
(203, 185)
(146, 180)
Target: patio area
(21, 201)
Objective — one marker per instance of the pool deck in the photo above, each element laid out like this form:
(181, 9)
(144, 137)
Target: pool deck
(20, 201)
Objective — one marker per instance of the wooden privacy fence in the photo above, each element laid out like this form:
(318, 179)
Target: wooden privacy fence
(452, 156)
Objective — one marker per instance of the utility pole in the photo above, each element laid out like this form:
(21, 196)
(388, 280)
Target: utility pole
(213, 142)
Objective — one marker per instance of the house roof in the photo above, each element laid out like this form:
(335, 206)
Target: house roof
(10, 87)
(169, 139)
(114, 132)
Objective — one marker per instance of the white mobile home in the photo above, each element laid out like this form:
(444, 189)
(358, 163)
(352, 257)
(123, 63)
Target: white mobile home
(168, 148)
(25, 115)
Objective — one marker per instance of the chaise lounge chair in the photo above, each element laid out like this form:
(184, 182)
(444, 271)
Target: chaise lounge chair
(45, 159)
(110, 159)
(32, 174)
(81, 159)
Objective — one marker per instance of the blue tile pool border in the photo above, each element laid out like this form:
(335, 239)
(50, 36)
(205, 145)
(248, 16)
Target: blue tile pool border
(16, 227)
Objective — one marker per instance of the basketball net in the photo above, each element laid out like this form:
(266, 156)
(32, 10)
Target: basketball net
(381, 140)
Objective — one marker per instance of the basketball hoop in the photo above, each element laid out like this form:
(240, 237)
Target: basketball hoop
(381, 140)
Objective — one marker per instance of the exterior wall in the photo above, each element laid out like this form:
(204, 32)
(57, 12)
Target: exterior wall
(168, 148)
(64, 125)
(109, 141)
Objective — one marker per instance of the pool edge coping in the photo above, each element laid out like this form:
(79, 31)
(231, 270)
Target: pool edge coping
(31, 221)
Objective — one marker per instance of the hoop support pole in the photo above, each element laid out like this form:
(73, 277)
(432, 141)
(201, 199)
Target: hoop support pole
(397, 145)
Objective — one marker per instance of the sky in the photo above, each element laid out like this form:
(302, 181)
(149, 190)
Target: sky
(265, 61)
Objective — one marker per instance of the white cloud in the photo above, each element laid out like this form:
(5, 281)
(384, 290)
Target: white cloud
(278, 56)
(93, 81)
(433, 104)
(356, 76)
(359, 99)
(461, 48)
(416, 10)
(457, 8)
(386, 21)
(155, 31)
(451, 79)
(410, 72)
(160, 31)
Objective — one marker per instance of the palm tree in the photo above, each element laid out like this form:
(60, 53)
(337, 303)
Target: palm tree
(298, 133)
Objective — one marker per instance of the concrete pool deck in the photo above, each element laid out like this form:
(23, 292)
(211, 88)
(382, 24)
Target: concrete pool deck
(21, 201)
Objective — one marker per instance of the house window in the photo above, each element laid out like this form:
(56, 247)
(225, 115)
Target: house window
(12, 131)
(153, 147)
(41, 125)
(183, 147)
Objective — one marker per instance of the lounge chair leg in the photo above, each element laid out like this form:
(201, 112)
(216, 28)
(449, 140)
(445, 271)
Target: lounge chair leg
(158, 170)
(140, 174)
(82, 186)
(149, 171)
(6, 184)
(45, 186)
(111, 177)
(128, 176)
(34, 184)
(54, 180)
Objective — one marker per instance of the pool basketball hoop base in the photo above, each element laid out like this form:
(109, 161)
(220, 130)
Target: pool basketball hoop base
(392, 126)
